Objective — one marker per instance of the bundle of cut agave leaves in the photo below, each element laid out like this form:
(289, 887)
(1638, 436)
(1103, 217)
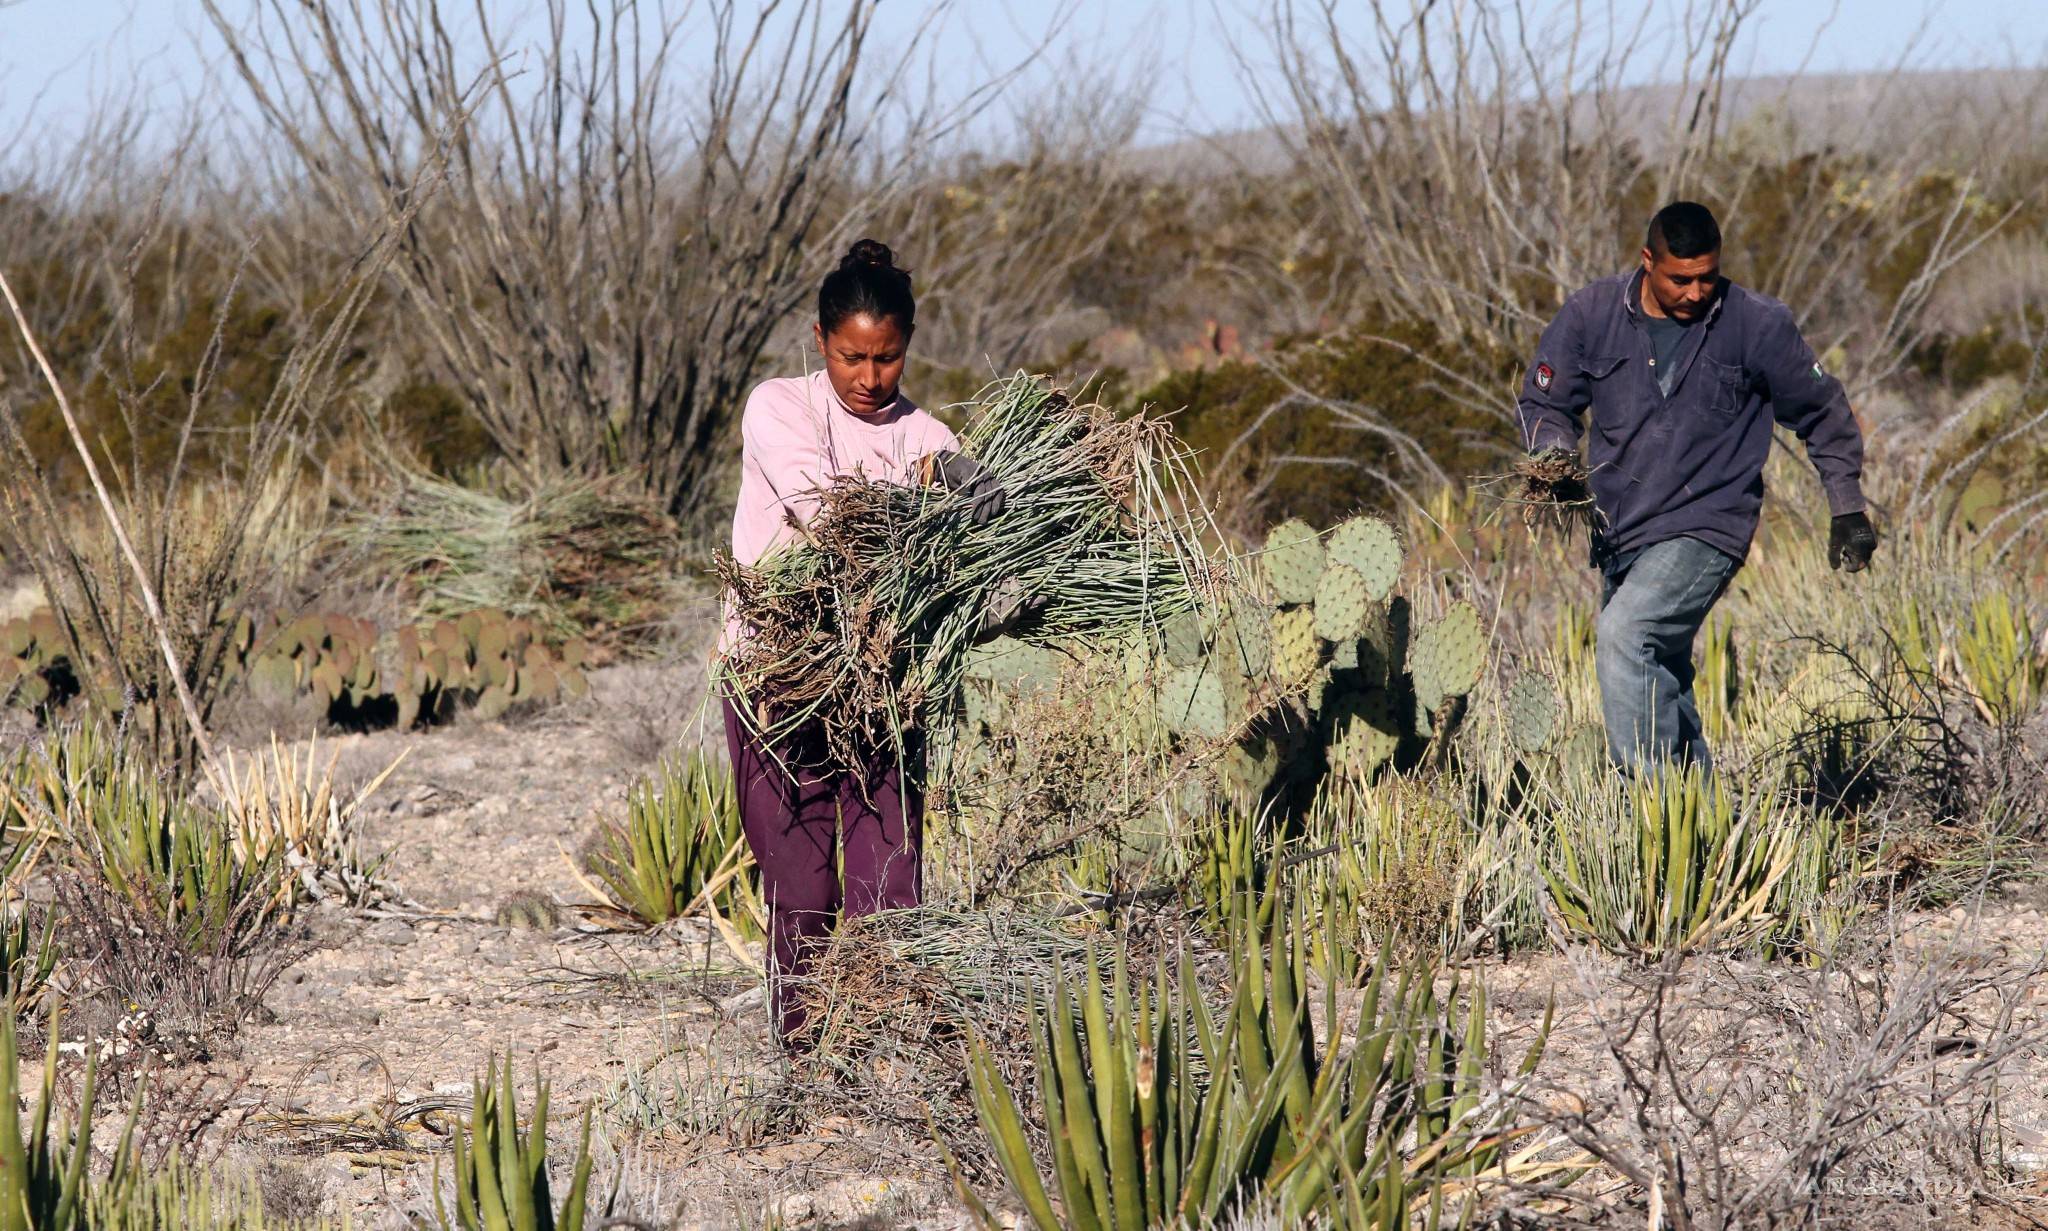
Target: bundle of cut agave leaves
(865, 622)
(1162, 1114)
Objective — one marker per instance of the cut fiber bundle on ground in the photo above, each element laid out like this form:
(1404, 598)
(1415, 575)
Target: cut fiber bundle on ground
(580, 557)
(864, 622)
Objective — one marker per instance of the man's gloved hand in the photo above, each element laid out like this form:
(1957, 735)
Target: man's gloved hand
(970, 479)
(1851, 540)
(1007, 606)
(1570, 485)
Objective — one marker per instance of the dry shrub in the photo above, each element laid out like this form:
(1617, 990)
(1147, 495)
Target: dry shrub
(199, 982)
(897, 995)
(201, 549)
(1550, 489)
(291, 811)
(1740, 1095)
(1068, 768)
(622, 235)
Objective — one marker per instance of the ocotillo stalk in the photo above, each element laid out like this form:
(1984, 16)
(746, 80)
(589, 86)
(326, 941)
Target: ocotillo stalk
(92, 472)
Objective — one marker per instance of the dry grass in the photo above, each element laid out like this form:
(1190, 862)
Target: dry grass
(289, 810)
(578, 557)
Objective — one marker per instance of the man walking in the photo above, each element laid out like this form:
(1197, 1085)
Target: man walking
(1683, 372)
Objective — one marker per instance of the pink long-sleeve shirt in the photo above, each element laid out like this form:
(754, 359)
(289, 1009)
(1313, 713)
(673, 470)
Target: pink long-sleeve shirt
(798, 436)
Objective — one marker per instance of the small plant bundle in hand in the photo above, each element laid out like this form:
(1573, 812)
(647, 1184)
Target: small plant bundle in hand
(1550, 486)
(864, 622)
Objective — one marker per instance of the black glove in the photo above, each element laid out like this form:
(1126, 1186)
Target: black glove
(971, 480)
(1007, 607)
(1850, 541)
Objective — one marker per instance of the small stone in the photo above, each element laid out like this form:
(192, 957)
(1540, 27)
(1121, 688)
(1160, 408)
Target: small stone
(394, 932)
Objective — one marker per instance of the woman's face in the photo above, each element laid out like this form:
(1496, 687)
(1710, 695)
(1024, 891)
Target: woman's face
(864, 360)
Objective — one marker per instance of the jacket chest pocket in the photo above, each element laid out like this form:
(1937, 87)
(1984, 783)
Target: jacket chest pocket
(1726, 389)
(1601, 371)
(1607, 381)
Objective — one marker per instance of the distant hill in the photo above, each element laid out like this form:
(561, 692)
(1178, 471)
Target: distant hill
(1842, 110)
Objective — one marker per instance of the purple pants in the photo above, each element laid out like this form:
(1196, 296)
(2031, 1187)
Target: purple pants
(826, 842)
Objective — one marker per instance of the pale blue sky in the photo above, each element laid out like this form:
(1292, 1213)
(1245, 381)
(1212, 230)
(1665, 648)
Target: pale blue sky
(57, 56)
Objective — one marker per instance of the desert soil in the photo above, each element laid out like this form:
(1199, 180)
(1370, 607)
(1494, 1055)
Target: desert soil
(369, 1043)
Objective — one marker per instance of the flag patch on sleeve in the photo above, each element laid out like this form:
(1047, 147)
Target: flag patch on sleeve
(1544, 376)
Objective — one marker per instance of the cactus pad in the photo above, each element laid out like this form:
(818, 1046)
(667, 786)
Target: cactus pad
(1586, 745)
(492, 703)
(1246, 640)
(1016, 666)
(1361, 732)
(1183, 639)
(1316, 695)
(1447, 656)
(1193, 702)
(1293, 561)
(1296, 652)
(1342, 603)
(1532, 713)
(1373, 548)
(1248, 769)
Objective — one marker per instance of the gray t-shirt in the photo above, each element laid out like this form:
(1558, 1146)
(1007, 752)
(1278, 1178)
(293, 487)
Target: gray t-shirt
(1667, 335)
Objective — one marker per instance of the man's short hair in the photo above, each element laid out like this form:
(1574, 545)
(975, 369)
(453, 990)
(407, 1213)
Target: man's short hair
(1684, 229)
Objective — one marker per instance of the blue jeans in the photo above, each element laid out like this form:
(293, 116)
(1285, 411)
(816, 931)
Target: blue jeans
(1650, 614)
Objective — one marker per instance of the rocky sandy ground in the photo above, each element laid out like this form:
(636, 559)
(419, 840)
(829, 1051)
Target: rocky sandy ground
(338, 1092)
(664, 1034)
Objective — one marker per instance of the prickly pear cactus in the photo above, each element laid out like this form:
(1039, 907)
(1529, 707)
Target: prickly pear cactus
(1373, 548)
(1296, 652)
(1184, 640)
(1531, 713)
(1383, 645)
(1342, 604)
(1248, 769)
(1361, 732)
(1585, 746)
(492, 703)
(1446, 656)
(1293, 561)
(1245, 640)
(1016, 665)
(1193, 702)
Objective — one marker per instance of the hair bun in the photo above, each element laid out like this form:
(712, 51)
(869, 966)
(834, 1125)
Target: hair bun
(868, 254)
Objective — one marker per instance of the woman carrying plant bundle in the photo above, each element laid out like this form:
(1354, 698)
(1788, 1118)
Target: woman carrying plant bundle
(829, 837)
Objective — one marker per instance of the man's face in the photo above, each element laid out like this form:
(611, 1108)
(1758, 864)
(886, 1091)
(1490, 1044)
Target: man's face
(1681, 286)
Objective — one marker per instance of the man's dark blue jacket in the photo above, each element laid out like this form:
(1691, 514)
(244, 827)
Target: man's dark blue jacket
(1689, 465)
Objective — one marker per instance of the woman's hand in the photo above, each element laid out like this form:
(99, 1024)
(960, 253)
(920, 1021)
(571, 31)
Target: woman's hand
(967, 478)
